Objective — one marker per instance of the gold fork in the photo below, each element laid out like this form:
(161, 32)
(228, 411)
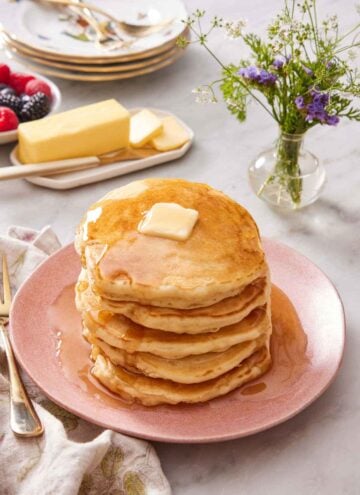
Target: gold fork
(102, 36)
(24, 421)
(135, 30)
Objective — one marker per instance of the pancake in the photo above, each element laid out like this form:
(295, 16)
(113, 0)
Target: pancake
(122, 333)
(154, 391)
(171, 318)
(200, 320)
(190, 369)
(220, 258)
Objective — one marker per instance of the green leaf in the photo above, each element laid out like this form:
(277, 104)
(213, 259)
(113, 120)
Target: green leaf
(111, 463)
(133, 484)
(234, 93)
(79, 37)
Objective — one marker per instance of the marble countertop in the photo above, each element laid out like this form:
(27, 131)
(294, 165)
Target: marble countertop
(317, 452)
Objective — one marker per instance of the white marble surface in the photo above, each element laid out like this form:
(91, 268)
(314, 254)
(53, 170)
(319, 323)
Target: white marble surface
(318, 451)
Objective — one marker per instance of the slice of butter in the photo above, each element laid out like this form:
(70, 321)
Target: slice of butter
(173, 135)
(85, 131)
(144, 126)
(169, 220)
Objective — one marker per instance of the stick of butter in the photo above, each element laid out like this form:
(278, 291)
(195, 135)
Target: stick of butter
(173, 135)
(144, 126)
(86, 131)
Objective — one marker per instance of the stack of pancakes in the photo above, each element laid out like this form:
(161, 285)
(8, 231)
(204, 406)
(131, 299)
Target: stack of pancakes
(173, 321)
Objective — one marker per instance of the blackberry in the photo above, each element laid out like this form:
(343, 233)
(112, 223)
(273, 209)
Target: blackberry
(35, 108)
(24, 98)
(12, 102)
(7, 91)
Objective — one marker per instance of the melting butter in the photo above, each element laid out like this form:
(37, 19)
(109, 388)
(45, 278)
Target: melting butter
(169, 220)
(91, 217)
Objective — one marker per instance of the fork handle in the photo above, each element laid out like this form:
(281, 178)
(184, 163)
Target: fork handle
(24, 421)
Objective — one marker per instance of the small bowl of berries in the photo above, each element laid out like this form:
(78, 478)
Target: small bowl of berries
(24, 97)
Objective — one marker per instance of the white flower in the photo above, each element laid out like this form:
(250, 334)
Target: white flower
(334, 22)
(234, 29)
(277, 46)
(204, 94)
(235, 105)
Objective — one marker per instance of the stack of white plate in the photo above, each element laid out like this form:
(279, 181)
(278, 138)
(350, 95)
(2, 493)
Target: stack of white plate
(55, 40)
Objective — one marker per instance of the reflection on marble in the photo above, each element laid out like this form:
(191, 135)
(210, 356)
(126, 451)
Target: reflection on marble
(317, 452)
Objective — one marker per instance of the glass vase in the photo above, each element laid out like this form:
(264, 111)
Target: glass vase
(286, 175)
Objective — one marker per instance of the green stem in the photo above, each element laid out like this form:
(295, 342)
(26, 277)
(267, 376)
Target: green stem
(313, 29)
(273, 115)
(345, 48)
(287, 168)
(339, 40)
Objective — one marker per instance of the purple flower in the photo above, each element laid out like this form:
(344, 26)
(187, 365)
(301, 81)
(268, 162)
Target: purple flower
(243, 72)
(308, 71)
(260, 76)
(250, 72)
(313, 106)
(278, 63)
(330, 64)
(300, 102)
(332, 120)
(321, 99)
(267, 78)
(315, 111)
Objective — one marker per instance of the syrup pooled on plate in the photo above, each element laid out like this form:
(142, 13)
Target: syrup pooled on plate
(288, 349)
(73, 351)
(256, 388)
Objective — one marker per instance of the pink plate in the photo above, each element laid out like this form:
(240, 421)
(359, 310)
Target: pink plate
(308, 345)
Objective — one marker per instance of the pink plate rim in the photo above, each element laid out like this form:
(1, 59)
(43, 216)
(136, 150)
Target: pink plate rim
(182, 424)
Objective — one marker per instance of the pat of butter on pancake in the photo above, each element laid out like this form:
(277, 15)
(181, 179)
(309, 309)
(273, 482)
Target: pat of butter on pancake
(144, 126)
(169, 220)
(85, 131)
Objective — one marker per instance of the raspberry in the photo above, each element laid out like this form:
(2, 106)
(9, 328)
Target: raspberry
(8, 119)
(18, 81)
(4, 73)
(37, 107)
(37, 86)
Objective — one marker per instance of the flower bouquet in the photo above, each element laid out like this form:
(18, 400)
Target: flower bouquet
(301, 75)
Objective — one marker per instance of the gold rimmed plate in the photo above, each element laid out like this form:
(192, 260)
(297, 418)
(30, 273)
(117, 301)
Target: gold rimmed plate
(28, 51)
(59, 33)
(95, 76)
(101, 69)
